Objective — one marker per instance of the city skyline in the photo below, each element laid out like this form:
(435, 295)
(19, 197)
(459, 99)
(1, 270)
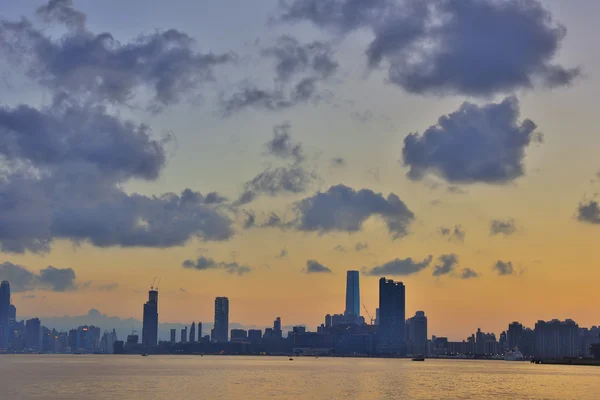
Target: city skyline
(264, 165)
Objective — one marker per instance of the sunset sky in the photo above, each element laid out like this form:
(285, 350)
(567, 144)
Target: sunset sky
(259, 149)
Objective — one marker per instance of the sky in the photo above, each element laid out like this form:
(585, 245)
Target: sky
(259, 150)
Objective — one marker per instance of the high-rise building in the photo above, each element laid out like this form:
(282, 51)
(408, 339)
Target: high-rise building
(277, 332)
(239, 335)
(417, 334)
(220, 332)
(199, 329)
(12, 320)
(515, 330)
(352, 295)
(4, 314)
(184, 335)
(254, 335)
(173, 335)
(150, 322)
(556, 339)
(328, 321)
(193, 333)
(392, 314)
(33, 334)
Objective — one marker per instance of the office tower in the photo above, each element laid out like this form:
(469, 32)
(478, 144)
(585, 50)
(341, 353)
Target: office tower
(4, 314)
(277, 332)
(33, 334)
(12, 320)
(254, 335)
(328, 321)
(150, 322)
(193, 333)
(515, 330)
(392, 312)
(199, 329)
(377, 316)
(239, 335)
(556, 339)
(220, 332)
(173, 335)
(417, 334)
(352, 295)
(184, 335)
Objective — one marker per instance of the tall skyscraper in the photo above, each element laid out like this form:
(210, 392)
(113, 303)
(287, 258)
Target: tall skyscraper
(277, 332)
(150, 323)
(417, 334)
(352, 294)
(4, 314)
(33, 334)
(199, 329)
(220, 332)
(184, 335)
(392, 315)
(515, 330)
(173, 335)
(193, 333)
(12, 320)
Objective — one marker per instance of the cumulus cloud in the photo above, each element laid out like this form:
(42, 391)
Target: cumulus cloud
(400, 267)
(275, 181)
(447, 264)
(504, 268)
(300, 69)
(313, 267)
(100, 68)
(453, 234)
(503, 227)
(343, 209)
(281, 145)
(469, 47)
(474, 144)
(204, 263)
(468, 273)
(589, 212)
(50, 278)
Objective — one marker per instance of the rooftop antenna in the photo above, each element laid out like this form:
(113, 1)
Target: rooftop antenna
(152, 286)
(158, 284)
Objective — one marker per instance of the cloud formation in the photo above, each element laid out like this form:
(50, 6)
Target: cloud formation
(275, 181)
(204, 263)
(399, 267)
(589, 212)
(338, 162)
(281, 145)
(447, 264)
(474, 144)
(50, 278)
(503, 227)
(343, 209)
(453, 234)
(468, 47)
(360, 246)
(314, 267)
(299, 68)
(504, 268)
(98, 67)
(468, 273)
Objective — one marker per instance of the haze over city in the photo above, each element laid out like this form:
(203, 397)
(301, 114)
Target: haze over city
(261, 154)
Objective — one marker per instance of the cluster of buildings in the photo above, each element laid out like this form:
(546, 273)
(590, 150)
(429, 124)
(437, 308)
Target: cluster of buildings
(390, 333)
(30, 336)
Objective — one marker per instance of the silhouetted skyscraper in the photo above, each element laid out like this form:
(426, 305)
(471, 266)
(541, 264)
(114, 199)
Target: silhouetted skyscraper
(173, 335)
(417, 333)
(12, 320)
(199, 329)
(352, 294)
(184, 335)
(515, 330)
(150, 323)
(220, 332)
(4, 314)
(33, 334)
(392, 314)
(193, 333)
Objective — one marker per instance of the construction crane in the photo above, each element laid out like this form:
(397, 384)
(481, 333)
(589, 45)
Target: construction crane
(158, 284)
(152, 286)
(369, 314)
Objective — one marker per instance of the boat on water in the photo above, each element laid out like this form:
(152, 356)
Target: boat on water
(514, 355)
(144, 354)
(418, 358)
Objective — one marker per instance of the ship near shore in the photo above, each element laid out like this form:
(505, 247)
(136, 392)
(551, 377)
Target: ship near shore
(514, 355)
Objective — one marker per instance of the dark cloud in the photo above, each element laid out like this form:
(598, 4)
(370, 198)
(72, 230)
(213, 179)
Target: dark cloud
(313, 267)
(474, 144)
(214, 198)
(281, 145)
(360, 246)
(470, 47)
(300, 69)
(250, 220)
(589, 212)
(275, 181)
(62, 11)
(100, 68)
(406, 266)
(344, 209)
(504, 268)
(503, 227)
(49, 278)
(468, 273)
(453, 234)
(205, 263)
(338, 162)
(447, 264)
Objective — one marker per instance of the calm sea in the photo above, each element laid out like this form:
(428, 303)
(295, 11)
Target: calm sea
(96, 377)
